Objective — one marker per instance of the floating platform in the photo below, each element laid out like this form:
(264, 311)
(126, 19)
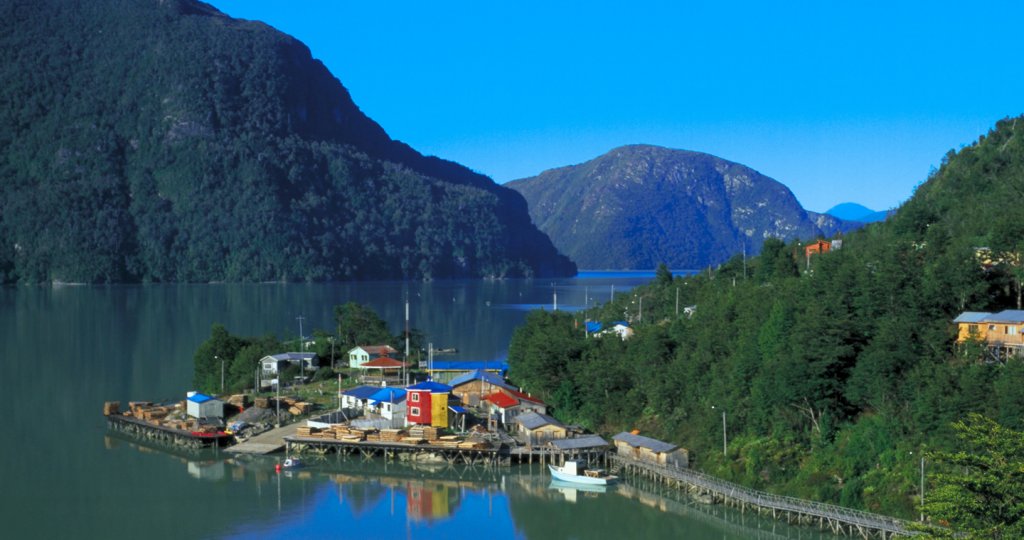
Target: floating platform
(165, 435)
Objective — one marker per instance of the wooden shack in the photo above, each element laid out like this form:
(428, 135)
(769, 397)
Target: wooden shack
(539, 428)
(650, 450)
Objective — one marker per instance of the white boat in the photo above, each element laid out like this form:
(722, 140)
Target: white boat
(575, 472)
(292, 463)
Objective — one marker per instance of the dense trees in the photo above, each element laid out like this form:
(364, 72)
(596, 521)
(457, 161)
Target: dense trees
(834, 376)
(163, 141)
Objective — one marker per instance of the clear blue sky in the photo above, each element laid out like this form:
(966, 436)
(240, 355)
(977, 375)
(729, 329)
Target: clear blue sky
(840, 101)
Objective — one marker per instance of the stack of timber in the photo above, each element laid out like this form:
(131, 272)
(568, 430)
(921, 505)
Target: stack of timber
(262, 402)
(306, 431)
(111, 407)
(429, 433)
(298, 408)
(391, 435)
(413, 440)
(239, 400)
(474, 444)
(448, 441)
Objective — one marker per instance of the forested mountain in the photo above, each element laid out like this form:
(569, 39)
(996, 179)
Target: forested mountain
(834, 378)
(641, 205)
(160, 140)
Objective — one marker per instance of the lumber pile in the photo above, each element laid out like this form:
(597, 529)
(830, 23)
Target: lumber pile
(306, 431)
(429, 433)
(391, 435)
(262, 402)
(111, 407)
(413, 440)
(298, 408)
(239, 400)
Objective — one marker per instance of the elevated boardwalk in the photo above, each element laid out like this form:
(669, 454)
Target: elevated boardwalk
(837, 519)
(390, 450)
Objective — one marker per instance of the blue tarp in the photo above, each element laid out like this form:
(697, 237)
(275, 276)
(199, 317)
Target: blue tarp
(456, 409)
(199, 398)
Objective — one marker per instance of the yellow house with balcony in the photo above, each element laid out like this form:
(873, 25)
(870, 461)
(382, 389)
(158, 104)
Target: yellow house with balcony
(1002, 332)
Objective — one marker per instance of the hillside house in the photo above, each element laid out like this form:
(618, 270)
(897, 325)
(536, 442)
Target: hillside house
(650, 450)
(1002, 333)
(362, 354)
(271, 365)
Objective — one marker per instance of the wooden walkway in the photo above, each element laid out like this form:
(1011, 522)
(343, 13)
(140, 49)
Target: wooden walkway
(837, 519)
(392, 450)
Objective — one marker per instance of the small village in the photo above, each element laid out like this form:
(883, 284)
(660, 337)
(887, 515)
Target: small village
(452, 411)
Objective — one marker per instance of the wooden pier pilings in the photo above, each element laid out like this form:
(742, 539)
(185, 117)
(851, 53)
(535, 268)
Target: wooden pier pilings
(165, 435)
(838, 520)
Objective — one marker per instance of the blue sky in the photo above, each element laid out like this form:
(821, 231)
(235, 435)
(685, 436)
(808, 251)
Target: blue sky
(840, 101)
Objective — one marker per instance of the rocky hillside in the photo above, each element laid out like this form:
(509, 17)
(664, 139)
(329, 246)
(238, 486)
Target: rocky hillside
(160, 140)
(640, 205)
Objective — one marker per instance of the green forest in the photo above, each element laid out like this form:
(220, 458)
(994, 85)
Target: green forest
(167, 142)
(835, 375)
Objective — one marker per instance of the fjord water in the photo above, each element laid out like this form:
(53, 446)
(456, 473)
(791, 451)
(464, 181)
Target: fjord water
(67, 349)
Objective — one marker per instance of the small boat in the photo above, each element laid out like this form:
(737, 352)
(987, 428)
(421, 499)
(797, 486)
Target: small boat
(576, 472)
(292, 463)
(450, 350)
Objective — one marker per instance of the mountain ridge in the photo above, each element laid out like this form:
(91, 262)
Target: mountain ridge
(640, 205)
(166, 141)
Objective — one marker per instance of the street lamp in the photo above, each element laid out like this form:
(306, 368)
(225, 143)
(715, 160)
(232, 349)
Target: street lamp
(215, 357)
(922, 485)
(725, 440)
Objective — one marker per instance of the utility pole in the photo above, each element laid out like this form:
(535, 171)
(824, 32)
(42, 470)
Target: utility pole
(554, 297)
(725, 439)
(586, 297)
(641, 309)
(215, 357)
(677, 301)
(922, 488)
(406, 363)
(302, 341)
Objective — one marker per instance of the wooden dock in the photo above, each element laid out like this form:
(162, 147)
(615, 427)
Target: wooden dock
(837, 519)
(391, 450)
(165, 435)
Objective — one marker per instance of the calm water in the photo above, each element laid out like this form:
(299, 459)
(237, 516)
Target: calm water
(65, 350)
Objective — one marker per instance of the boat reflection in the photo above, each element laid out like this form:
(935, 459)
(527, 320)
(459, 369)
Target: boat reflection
(572, 491)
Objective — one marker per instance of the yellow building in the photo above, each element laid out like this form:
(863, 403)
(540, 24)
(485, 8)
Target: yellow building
(1002, 332)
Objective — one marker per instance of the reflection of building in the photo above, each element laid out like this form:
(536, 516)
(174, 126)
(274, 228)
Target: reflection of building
(431, 500)
(208, 470)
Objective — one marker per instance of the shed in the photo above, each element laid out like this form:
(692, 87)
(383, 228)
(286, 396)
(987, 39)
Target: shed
(650, 450)
(273, 363)
(469, 388)
(539, 428)
(577, 444)
(204, 406)
(358, 397)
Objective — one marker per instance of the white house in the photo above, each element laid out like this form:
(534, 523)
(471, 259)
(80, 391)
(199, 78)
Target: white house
(204, 406)
(362, 354)
(358, 398)
(389, 403)
(275, 362)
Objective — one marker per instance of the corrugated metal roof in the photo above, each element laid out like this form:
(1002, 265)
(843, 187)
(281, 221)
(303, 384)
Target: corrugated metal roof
(586, 441)
(457, 409)
(971, 317)
(434, 387)
(1007, 316)
(640, 441)
(476, 374)
(293, 356)
(361, 392)
(502, 400)
(593, 326)
(533, 420)
(382, 363)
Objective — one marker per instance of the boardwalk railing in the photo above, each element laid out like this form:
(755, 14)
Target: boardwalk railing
(864, 522)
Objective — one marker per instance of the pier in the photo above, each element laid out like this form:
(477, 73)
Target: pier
(391, 450)
(165, 435)
(838, 520)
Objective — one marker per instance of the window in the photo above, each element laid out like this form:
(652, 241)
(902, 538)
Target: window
(992, 327)
(414, 411)
(1011, 330)
(414, 397)
(972, 328)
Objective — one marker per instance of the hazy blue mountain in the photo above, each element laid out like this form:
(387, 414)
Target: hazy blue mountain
(640, 205)
(849, 211)
(147, 140)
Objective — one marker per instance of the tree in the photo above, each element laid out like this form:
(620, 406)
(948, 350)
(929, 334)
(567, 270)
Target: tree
(663, 276)
(360, 325)
(979, 489)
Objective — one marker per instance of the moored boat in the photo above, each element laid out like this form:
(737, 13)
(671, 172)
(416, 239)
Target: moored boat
(576, 472)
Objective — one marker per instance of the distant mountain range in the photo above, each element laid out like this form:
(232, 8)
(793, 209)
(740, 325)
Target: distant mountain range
(164, 141)
(640, 205)
(854, 212)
